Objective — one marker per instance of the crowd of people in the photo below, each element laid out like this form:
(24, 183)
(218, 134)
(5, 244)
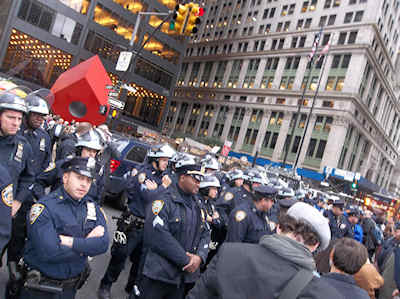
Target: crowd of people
(190, 229)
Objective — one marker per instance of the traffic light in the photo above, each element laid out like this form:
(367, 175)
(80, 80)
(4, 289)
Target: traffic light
(178, 20)
(114, 113)
(354, 185)
(194, 18)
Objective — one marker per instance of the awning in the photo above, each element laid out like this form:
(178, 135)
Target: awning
(367, 185)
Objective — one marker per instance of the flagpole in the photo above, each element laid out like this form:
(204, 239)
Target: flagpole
(312, 106)
(300, 104)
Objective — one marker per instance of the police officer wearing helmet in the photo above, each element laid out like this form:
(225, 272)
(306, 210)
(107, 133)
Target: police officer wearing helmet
(16, 154)
(249, 221)
(141, 188)
(64, 229)
(87, 145)
(340, 226)
(210, 164)
(209, 189)
(176, 236)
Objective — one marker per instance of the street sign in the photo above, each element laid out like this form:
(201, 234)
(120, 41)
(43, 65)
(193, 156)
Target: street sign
(116, 103)
(113, 94)
(124, 60)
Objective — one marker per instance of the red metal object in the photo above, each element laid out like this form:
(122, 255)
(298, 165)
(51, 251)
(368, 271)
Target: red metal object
(80, 93)
(201, 12)
(114, 164)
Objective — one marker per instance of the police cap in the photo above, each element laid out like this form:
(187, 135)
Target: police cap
(83, 166)
(338, 203)
(287, 203)
(353, 212)
(265, 192)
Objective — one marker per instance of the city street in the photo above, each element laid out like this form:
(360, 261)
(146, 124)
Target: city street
(98, 267)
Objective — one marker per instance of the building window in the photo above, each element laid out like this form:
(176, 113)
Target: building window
(352, 37)
(80, 6)
(359, 15)
(23, 50)
(339, 84)
(321, 149)
(280, 101)
(342, 38)
(327, 104)
(311, 147)
(331, 20)
(348, 17)
(330, 83)
(296, 144)
(273, 140)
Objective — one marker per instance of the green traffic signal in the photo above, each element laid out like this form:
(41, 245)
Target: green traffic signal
(354, 185)
(172, 25)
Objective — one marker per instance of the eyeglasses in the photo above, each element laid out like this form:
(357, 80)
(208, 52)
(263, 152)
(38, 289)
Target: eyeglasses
(197, 177)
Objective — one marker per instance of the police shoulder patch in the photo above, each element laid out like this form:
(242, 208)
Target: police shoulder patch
(240, 215)
(157, 206)
(141, 177)
(228, 196)
(36, 210)
(7, 195)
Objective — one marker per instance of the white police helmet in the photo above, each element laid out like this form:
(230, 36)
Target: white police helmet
(39, 101)
(210, 181)
(11, 101)
(253, 176)
(91, 140)
(236, 174)
(161, 151)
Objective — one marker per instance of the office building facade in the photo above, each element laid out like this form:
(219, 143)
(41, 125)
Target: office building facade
(244, 72)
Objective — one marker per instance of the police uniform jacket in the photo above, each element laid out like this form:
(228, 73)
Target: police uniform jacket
(232, 197)
(40, 142)
(340, 226)
(173, 227)
(6, 192)
(16, 154)
(138, 194)
(247, 224)
(66, 146)
(58, 214)
(346, 285)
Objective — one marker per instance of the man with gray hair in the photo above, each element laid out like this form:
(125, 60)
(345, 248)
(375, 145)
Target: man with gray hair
(279, 266)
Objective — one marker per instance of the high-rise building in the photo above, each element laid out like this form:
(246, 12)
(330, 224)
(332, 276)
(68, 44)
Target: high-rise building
(244, 72)
(41, 39)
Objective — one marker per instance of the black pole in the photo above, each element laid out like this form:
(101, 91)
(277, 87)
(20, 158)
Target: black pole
(299, 105)
(310, 112)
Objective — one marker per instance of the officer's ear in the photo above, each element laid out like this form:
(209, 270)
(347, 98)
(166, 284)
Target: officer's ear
(65, 177)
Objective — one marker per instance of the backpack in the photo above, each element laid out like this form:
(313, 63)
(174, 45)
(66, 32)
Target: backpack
(378, 235)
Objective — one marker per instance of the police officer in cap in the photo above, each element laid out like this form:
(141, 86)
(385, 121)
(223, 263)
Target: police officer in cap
(16, 153)
(176, 237)
(249, 221)
(340, 226)
(65, 228)
(151, 179)
(87, 145)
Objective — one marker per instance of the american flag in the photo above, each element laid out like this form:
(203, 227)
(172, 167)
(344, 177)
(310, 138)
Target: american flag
(324, 50)
(315, 44)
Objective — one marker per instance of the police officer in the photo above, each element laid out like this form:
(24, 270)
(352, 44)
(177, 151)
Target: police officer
(65, 228)
(209, 189)
(176, 237)
(6, 193)
(338, 223)
(87, 145)
(353, 217)
(38, 137)
(210, 164)
(249, 221)
(16, 154)
(128, 239)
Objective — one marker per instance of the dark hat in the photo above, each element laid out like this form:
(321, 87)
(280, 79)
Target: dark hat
(338, 203)
(353, 212)
(287, 203)
(83, 166)
(265, 192)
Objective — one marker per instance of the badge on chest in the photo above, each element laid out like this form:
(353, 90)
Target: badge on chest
(42, 145)
(91, 211)
(19, 153)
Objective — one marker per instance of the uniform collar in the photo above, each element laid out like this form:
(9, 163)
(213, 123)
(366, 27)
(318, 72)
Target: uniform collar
(8, 139)
(63, 196)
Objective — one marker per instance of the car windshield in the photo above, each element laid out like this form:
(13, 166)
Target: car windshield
(119, 143)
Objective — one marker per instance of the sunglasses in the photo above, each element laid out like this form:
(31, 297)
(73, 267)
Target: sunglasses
(197, 177)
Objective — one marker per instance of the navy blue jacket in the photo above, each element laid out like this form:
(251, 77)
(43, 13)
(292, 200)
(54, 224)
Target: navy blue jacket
(231, 197)
(346, 285)
(58, 214)
(170, 232)
(40, 142)
(340, 226)
(6, 192)
(16, 154)
(66, 146)
(247, 224)
(138, 194)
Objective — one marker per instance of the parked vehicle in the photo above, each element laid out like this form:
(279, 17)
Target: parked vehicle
(131, 154)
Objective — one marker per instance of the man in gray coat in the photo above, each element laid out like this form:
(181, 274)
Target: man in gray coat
(280, 266)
